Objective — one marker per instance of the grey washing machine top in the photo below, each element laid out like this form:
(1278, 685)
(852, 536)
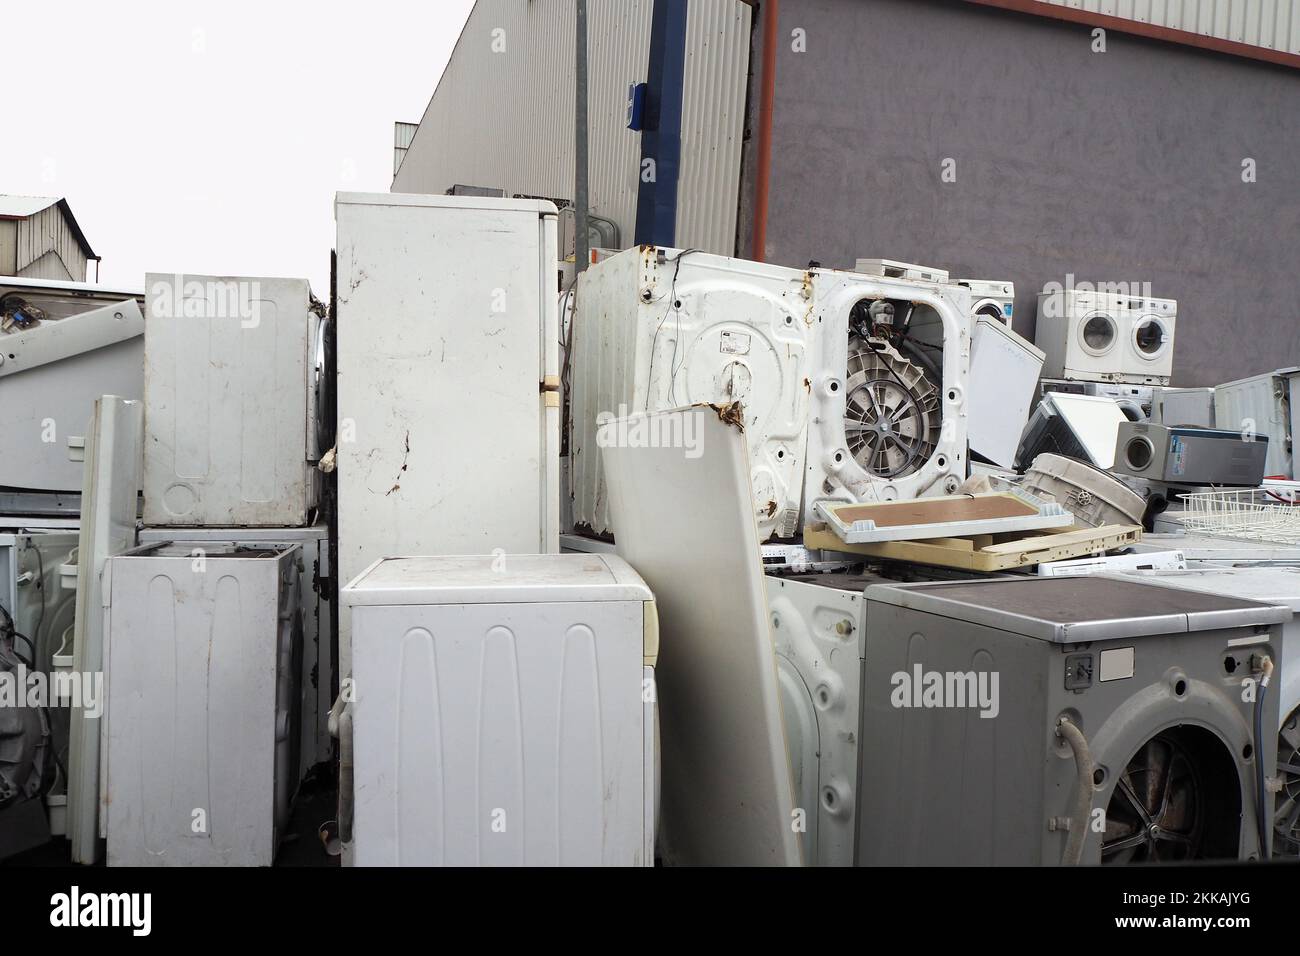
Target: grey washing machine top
(1073, 610)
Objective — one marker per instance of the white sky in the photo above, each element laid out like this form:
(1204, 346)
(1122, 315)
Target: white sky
(211, 136)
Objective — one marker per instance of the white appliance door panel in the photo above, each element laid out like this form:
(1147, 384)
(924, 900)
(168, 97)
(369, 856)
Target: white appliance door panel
(109, 504)
(441, 424)
(499, 735)
(193, 659)
(685, 523)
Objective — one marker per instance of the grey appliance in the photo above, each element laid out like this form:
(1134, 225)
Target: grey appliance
(1191, 457)
(1117, 730)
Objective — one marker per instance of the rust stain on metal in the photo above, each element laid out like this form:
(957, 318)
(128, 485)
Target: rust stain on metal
(733, 413)
(771, 508)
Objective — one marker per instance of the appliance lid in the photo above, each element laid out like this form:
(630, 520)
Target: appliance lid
(1074, 610)
(1275, 585)
(496, 579)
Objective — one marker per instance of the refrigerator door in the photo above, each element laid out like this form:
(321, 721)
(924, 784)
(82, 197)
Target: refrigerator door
(108, 511)
(686, 524)
(448, 378)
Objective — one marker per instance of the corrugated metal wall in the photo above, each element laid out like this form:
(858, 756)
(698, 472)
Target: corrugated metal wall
(44, 233)
(1272, 24)
(503, 112)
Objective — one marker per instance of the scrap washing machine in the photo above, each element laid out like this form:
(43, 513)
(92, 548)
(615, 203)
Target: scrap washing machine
(1047, 720)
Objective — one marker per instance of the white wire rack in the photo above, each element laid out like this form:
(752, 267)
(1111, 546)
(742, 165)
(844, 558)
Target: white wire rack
(1255, 514)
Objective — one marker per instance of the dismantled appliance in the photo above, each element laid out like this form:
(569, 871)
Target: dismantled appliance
(1106, 336)
(315, 677)
(1190, 457)
(503, 713)
(817, 631)
(1092, 496)
(1268, 586)
(943, 517)
(447, 353)
(203, 656)
(991, 299)
(659, 328)
(1266, 405)
(36, 615)
(1185, 406)
(230, 396)
(1004, 370)
(64, 345)
(1092, 719)
(1137, 402)
(890, 388)
(1076, 426)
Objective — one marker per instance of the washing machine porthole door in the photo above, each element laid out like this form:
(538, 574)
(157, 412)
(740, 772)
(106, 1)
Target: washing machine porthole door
(1150, 337)
(1098, 332)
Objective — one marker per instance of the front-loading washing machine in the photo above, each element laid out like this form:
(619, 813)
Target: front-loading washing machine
(1046, 720)
(1106, 336)
(1269, 585)
(989, 297)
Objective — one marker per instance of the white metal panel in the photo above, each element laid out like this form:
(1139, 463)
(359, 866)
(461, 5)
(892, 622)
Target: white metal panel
(514, 64)
(1004, 370)
(496, 579)
(506, 734)
(686, 525)
(1271, 24)
(694, 328)
(1263, 405)
(446, 331)
(200, 706)
(108, 514)
(227, 375)
(317, 664)
(50, 379)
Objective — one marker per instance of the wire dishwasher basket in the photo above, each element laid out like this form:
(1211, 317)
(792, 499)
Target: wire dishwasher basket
(1256, 514)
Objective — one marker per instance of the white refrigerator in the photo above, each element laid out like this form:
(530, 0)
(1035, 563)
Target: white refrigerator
(448, 379)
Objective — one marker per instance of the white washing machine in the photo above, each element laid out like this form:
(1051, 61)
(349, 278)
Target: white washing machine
(1106, 337)
(997, 300)
(502, 712)
(890, 388)
(656, 329)
(202, 656)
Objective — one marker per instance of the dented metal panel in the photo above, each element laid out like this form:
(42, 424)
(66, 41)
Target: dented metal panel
(447, 346)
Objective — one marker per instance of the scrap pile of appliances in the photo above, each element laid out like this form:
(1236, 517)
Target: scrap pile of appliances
(480, 547)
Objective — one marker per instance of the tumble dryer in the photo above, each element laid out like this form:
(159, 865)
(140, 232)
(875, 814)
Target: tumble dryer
(1049, 720)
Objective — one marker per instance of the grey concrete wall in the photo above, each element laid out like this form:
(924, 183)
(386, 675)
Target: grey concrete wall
(1116, 166)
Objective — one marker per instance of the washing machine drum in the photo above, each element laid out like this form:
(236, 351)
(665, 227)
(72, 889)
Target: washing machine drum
(1286, 815)
(990, 307)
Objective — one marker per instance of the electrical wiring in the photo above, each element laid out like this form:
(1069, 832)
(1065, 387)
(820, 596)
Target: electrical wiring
(673, 365)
